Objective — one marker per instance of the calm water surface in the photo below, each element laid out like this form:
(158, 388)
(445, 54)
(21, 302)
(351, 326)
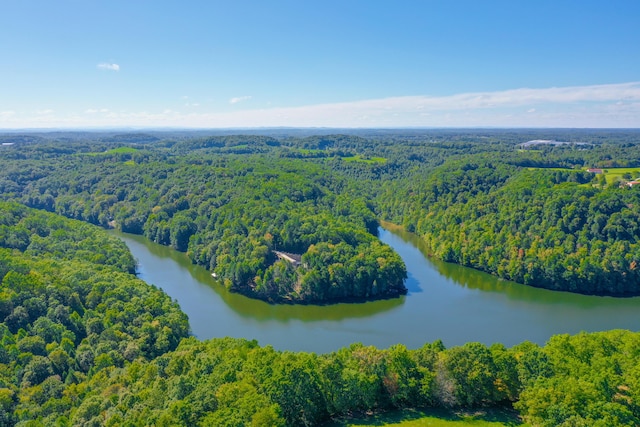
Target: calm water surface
(445, 301)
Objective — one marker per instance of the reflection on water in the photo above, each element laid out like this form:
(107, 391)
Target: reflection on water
(445, 301)
(248, 307)
(475, 279)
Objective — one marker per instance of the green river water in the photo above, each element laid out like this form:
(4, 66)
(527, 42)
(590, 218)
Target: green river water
(445, 301)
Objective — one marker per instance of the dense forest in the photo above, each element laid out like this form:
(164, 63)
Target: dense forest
(70, 307)
(551, 229)
(528, 213)
(230, 214)
(86, 343)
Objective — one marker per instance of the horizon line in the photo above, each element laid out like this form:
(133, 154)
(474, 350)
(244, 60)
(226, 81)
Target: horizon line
(241, 128)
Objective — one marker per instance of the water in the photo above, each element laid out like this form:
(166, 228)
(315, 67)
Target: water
(445, 301)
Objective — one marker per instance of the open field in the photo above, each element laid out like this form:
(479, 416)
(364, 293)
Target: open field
(119, 150)
(370, 160)
(612, 174)
(435, 418)
(555, 169)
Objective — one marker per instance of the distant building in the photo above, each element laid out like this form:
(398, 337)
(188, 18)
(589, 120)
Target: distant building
(536, 142)
(595, 170)
(294, 259)
(633, 183)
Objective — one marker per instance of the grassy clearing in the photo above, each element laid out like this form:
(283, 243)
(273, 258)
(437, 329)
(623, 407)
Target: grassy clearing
(369, 160)
(119, 150)
(310, 151)
(612, 175)
(435, 418)
(615, 174)
(554, 169)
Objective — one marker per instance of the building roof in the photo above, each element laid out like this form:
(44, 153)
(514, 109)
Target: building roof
(294, 259)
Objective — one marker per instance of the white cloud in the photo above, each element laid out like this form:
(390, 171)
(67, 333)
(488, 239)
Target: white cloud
(508, 98)
(44, 112)
(239, 99)
(108, 66)
(579, 106)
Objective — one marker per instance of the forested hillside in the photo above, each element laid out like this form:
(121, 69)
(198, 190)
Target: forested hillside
(70, 308)
(528, 213)
(552, 228)
(40, 234)
(86, 343)
(230, 213)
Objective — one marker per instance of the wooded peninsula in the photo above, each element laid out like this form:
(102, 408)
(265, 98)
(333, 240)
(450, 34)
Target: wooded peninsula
(292, 217)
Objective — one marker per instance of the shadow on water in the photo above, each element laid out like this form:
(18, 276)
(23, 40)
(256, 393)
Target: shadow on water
(198, 280)
(412, 284)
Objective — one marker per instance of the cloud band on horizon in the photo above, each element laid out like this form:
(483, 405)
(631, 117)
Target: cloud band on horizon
(609, 105)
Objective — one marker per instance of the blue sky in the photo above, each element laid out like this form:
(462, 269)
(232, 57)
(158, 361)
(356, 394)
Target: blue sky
(138, 63)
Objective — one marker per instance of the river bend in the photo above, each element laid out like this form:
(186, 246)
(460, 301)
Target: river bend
(445, 301)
